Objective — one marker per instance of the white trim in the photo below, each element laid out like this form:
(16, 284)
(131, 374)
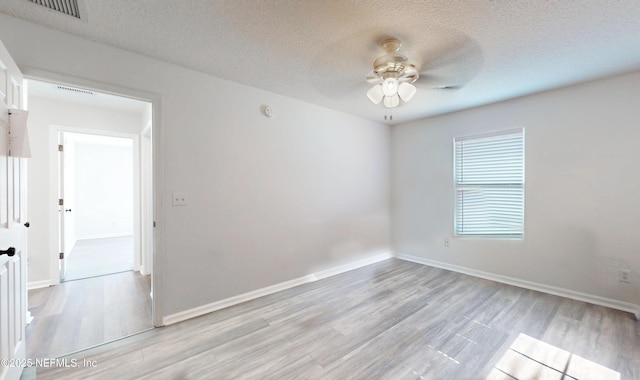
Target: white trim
(157, 166)
(35, 73)
(103, 236)
(557, 291)
(374, 258)
(38, 284)
(208, 308)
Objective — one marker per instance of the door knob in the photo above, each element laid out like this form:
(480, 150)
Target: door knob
(9, 252)
(27, 224)
(67, 210)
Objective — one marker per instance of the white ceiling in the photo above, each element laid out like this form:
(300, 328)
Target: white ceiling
(321, 51)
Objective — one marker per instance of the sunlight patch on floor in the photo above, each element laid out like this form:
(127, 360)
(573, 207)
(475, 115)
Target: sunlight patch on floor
(529, 358)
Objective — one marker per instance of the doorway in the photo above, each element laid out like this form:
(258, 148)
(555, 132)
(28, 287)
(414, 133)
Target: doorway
(92, 209)
(97, 214)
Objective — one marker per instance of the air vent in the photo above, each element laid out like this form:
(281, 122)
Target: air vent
(68, 7)
(76, 90)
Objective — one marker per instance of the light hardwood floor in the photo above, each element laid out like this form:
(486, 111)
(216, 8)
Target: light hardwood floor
(390, 320)
(76, 315)
(97, 257)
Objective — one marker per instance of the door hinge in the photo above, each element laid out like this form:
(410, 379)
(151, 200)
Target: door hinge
(154, 224)
(60, 148)
(61, 255)
(60, 202)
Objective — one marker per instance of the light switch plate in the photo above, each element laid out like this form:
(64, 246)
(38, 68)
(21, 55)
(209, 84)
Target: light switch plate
(179, 199)
(624, 275)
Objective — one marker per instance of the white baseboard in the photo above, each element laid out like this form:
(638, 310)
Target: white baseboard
(562, 292)
(38, 284)
(205, 309)
(208, 308)
(103, 236)
(381, 256)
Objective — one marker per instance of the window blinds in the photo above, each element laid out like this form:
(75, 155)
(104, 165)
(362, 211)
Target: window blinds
(489, 184)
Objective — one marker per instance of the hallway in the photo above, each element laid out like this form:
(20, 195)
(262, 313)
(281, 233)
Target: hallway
(75, 315)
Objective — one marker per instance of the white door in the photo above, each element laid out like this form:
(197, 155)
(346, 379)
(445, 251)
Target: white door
(13, 269)
(62, 231)
(65, 202)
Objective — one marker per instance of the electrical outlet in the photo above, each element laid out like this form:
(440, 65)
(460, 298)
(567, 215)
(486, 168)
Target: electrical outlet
(179, 199)
(447, 242)
(624, 275)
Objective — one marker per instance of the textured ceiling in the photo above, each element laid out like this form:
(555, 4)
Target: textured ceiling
(321, 51)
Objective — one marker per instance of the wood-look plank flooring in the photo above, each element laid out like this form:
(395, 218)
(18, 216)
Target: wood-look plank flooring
(390, 320)
(97, 257)
(76, 315)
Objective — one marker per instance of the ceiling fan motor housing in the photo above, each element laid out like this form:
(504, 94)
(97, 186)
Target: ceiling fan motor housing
(389, 65)
(394, 64)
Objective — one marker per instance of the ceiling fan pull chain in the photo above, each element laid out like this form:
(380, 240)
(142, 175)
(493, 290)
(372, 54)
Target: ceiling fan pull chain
(388, 114)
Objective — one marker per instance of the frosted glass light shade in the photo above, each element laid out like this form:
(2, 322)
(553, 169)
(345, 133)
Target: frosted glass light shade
(406, 91)
(375, 94)
(390, 87)
(391, 101)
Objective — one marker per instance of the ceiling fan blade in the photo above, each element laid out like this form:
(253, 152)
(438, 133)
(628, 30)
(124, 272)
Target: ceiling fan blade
(451, 87)
(439, 82)
(410, 74)
(453, 61)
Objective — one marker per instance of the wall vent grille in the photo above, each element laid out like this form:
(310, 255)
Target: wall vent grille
(76, 90)
(68, 7)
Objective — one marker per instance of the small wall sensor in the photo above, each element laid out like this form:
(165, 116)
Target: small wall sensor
(268, 112)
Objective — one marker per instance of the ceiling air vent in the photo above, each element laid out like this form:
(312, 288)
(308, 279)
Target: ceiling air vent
(76, 90)
(68, 7)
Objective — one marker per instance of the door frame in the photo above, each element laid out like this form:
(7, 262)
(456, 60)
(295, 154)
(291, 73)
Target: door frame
(54, 170)
(157, 164)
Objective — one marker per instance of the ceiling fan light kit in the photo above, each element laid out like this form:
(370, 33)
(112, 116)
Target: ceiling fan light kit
(393, 76)
(375, 94)
(406, 91)
(390, 87)
(391, 101)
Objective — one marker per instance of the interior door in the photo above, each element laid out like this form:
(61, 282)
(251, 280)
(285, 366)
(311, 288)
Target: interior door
(13, 261)
(65, 202)
(62, 231)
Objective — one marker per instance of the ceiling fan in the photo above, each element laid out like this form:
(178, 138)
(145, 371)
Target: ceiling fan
(393, 76)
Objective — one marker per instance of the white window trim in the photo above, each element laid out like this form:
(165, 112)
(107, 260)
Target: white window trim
(456, 187)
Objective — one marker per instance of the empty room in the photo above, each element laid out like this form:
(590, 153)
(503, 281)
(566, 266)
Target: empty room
(333, 189)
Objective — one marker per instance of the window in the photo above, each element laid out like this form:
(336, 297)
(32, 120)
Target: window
(489, 184)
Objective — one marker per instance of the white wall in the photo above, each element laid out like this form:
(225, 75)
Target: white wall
(45, 114)
(269, 199)
(103, 189)
(582, 189)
